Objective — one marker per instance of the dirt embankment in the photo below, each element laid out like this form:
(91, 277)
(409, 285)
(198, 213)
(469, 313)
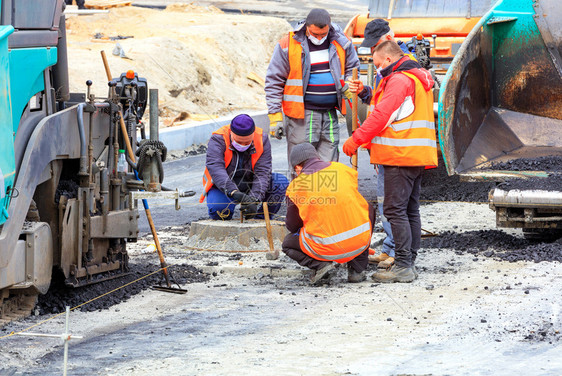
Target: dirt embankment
(204, 62)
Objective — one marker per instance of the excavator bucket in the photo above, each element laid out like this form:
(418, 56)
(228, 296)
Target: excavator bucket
(502, 96)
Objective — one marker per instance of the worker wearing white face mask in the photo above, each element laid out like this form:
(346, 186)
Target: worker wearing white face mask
(303, 85)
(238, 171)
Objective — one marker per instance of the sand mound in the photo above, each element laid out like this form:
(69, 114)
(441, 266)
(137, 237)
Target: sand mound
(203, 62)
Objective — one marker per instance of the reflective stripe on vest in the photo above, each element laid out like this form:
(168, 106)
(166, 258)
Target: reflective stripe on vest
(293, 93)
(410, 141)
(348, 255)
(225, 132)
(341, 236)
(336, 224)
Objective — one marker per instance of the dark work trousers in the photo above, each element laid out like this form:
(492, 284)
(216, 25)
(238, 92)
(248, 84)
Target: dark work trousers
(402, 186)
(292, 248)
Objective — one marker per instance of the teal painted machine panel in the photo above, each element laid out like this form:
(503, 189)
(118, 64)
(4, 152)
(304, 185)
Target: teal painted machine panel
(26, 74)
(7, 159)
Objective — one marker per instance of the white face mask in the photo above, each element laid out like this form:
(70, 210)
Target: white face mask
(240, 148)
(316, 41)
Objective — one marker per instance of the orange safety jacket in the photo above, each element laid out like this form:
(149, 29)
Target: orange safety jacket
(336, 224)
(409, 141)
(225, 132)
(293, 94)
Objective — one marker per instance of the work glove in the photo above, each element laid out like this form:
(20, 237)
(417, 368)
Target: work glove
(240, 197)
(276, 125)
(350, 147)
(346, 92)
(249, 211)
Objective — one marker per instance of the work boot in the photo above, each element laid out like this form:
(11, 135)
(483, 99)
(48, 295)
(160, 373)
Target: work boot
(323, 274)
(355, 277)
(395, 274)
(376, 259)
(415, 270)
(386, 263)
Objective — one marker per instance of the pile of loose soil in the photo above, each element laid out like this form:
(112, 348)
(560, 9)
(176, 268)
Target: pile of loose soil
(496, 244)
(437, 185)
(205, 63)
(59, 295)
(548, 163)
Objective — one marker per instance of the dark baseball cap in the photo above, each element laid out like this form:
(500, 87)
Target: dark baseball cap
(318, 17)
(374, 31)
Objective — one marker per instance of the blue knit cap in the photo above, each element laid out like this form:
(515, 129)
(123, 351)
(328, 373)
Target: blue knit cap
(242, 125)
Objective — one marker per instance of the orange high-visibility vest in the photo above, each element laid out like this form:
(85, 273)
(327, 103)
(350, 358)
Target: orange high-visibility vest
(336, 224)
(293, 94)
(410, 141)
(225, 132)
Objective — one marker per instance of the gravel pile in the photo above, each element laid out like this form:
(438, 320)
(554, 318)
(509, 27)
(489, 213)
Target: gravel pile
(496, 244)
(59, 295)
(549, 163)
(68, 188)
(437, 185)
(552, 183)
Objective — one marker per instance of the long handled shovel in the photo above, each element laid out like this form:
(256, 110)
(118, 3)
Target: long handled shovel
(168, 287)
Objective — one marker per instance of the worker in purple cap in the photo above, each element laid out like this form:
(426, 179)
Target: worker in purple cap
(238, 171)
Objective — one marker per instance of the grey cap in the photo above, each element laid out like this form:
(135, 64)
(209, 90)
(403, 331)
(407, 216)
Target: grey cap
(301, 153)
(318, 17)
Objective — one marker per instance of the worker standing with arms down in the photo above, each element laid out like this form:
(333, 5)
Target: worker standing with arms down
(328, 219)
(238, 171)
(304, 82)
(401, 132)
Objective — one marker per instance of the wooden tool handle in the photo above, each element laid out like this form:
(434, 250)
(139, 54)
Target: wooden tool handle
(272, 254)
(354, 117)
(268, 226)
(132, 156)
(121, 121)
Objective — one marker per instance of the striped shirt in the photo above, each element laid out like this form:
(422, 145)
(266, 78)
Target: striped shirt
(321, 90)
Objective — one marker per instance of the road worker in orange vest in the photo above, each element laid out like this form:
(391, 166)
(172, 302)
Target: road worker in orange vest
(329, 221)
(400, 132)
(238, 171)
(304, 83)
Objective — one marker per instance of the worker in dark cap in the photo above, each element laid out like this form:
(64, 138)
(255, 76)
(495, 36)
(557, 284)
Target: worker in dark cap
(305, 82)
(238, 171)
(329, 221)
(376, 32)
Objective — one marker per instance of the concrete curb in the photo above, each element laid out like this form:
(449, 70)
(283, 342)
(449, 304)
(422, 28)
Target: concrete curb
(178, 138)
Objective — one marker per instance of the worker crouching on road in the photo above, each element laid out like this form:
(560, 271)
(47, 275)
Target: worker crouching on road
(401, 133)
(304, 82)
(238, 171)
(328, 219)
